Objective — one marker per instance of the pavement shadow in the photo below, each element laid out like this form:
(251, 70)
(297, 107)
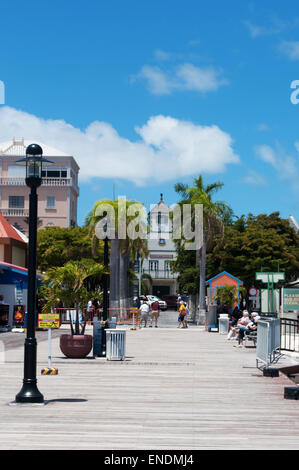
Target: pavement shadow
(65, 400)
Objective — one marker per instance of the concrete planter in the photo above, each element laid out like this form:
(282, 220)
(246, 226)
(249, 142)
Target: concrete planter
(76, 346)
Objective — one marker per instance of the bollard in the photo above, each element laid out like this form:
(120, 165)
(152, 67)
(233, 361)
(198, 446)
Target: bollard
(291, 393)
(270, 372)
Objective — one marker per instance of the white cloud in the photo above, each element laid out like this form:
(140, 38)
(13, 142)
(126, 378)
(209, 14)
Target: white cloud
(285, 165)
(274, 26)
(183, 77)
(166, 148)
(255, 179)
(290, 49)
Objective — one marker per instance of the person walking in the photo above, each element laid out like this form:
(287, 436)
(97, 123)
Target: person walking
(182, 315)
(155, 309)
(89, 311)
(144, 311)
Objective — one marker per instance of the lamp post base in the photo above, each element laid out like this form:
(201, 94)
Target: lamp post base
(29, 393)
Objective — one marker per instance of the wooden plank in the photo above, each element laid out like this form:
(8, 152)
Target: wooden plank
(177, 389)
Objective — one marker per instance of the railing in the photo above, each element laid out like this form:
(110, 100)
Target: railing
(268, 341)
(160, 273)
(289, 334)
(124, 316)
(14, 212)
(9, 181)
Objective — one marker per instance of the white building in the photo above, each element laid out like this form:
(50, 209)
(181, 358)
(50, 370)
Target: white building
(161, 251)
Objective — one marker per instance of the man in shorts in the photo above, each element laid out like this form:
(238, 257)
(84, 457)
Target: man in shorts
(155, 308)
(144, 311)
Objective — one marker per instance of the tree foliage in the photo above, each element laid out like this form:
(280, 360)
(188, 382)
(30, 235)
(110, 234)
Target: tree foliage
(251, 244)
(56, 246)
(256, 243)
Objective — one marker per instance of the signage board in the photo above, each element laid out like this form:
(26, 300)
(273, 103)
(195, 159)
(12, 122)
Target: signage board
(48, 320)
(291, 299)
(252, 291)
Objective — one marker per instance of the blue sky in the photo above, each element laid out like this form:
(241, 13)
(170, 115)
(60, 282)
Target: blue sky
(148, 93)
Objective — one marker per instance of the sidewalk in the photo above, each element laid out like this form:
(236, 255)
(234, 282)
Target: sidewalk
(177, 389)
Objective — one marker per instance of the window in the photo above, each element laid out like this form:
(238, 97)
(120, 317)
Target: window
(16, 202)
(54, 172)
(166, 265)
(51, 202)
(16, 171)
(153, 265)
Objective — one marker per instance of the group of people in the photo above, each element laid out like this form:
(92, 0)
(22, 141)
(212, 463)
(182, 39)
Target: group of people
(93, 309)
(152, 311)
(241, 324)
(149, 310)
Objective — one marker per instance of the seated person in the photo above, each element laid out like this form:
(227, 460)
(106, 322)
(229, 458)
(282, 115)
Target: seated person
(252, 326)
(241, 323)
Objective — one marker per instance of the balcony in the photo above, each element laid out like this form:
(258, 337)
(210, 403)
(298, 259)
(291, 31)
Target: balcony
(46, 182)
(6, 212)
(160, 273)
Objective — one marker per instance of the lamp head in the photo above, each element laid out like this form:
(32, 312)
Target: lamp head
(34, 162)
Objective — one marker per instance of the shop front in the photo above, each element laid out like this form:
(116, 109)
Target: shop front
(13, 296)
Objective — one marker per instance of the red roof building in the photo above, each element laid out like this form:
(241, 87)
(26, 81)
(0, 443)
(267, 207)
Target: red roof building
(13, 246)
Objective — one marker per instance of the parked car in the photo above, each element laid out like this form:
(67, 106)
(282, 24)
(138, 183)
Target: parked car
(171, 300)
(162, 303)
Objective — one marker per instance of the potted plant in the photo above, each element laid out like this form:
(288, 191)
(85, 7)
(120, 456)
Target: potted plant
(68, 284)
(228, 295)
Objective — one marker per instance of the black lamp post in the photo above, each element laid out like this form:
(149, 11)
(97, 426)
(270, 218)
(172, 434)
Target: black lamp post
(29, 392)
(105, 296)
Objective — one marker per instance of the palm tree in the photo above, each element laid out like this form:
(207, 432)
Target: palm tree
(123, 252)
(68, 284)
(215, 214)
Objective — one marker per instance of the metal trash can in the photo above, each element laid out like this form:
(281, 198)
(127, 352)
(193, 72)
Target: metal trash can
(115, 344)
(223, 323)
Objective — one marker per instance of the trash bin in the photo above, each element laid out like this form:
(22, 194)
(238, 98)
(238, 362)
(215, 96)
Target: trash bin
(115, 344)
(212, 317)
(223, 323)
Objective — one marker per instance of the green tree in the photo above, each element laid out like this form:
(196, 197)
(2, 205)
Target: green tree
(256, 243)
(215, 215)
(56, 246)
(123, 250)
(68, 284)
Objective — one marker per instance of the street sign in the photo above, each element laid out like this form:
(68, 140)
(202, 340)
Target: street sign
(269, 277)
(48, 320)
(252, 291)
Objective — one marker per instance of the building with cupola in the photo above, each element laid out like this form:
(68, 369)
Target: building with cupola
(161, 251)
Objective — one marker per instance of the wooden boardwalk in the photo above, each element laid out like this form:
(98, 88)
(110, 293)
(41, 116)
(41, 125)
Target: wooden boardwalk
(177, 389)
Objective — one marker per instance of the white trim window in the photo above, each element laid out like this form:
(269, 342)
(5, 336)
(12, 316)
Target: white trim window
(51, 202)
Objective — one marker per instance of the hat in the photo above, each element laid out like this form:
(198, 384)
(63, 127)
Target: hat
(254, 314)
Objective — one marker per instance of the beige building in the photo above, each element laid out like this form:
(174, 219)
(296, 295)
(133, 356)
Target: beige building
(57, 196)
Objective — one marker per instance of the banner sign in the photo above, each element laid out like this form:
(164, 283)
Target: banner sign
(291, 299)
